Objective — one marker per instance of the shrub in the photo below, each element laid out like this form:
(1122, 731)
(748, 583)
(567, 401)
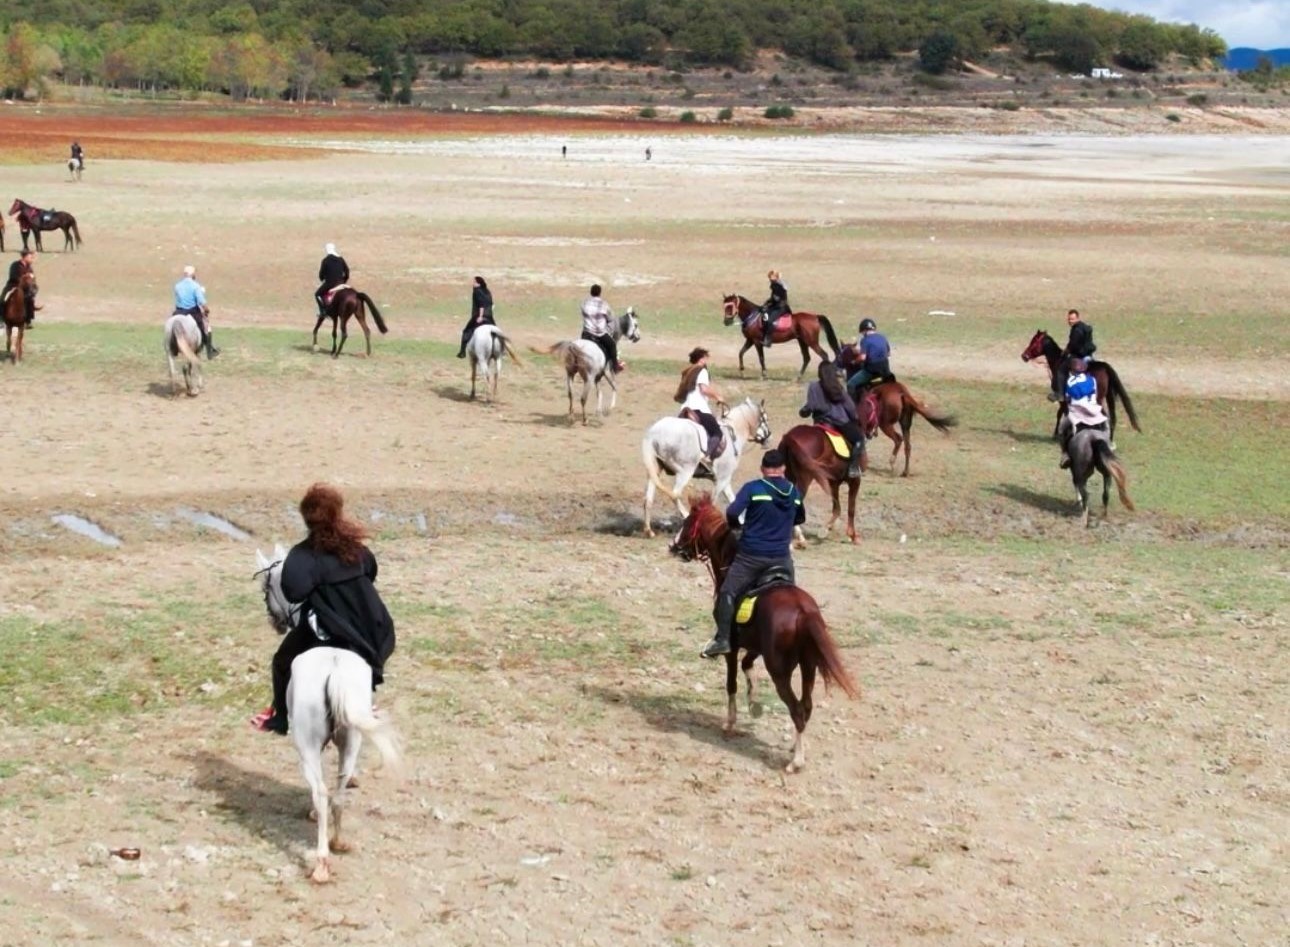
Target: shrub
(688, 118)
(504, 92)
(779, 111)
(1173, 117)
(541, 72)
(648, 112)
(687, 93)
(726, 114)
(1198, 99)
(1009, 105)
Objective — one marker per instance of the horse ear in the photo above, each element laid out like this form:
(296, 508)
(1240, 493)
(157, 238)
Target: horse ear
(278, 552)
(260, 561)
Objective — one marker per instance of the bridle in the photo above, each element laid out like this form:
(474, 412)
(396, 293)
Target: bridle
(282, 614)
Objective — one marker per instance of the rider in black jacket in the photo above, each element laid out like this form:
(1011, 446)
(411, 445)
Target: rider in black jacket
(1079, 345)
(333, 271)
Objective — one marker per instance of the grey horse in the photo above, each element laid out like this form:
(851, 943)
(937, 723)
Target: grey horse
(1090, 450)
(182, 338)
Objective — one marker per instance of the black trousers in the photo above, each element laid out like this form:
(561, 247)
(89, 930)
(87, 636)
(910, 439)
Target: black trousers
(740, 577)
(607, 345)
(471, 325)
(713, 428)
(855, 437)
(294, 643)
(196, 313)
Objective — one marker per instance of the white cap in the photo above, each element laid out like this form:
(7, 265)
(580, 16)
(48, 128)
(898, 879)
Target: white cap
(331, 249)
(190, 270)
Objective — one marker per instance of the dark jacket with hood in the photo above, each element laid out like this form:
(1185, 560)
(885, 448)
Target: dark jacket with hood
(333, 271)
(345, 603)
(1080, 344)
(772, 506)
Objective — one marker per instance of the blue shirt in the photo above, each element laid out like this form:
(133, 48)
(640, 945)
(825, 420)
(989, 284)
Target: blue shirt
(1081, 387)
(771, 508)
(189, 294)
(876, 351)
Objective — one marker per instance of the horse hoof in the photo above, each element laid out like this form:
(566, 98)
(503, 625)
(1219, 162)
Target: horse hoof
(793, 767)
(727, 733)
(312, 815)
(322, 872)
(755, 709)
(342, 847)
(649, 533)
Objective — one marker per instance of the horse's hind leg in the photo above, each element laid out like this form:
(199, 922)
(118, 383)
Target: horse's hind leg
(853, 487)
(317, 326)
(367, 333)
(806, 357)
(754, 705)
(311, 767)
(474, 370)
(348, 743)
(732, 686)
(906, 425)
(783, 678)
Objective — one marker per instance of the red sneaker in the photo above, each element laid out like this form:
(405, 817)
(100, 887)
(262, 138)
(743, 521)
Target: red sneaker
(620, 367)
(261, 720)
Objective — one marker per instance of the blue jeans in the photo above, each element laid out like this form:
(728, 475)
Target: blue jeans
(861, 378)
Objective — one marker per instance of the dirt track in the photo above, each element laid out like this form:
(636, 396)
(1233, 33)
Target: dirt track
(1043, 753)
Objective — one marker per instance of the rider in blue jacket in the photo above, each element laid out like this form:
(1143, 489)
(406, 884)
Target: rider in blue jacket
(770, 507)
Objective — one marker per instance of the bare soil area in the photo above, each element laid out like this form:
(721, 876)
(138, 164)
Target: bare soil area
(1062, 738)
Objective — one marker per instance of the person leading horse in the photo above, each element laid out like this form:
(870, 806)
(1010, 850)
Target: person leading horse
(17, 270)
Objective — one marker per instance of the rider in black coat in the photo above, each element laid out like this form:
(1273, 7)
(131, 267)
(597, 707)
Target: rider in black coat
(333, 271)
(481, 312)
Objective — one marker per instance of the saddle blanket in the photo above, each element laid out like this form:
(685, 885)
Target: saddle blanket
(330, 294)
(840, 446)
(781, 324)
(744, 613)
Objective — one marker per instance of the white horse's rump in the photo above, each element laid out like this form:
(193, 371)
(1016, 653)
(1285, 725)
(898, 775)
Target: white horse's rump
(675, 445)
(329, 698)
(486, 347)
(181, 338)
(585, 359)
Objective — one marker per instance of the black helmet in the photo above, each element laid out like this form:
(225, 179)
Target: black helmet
(867, 324)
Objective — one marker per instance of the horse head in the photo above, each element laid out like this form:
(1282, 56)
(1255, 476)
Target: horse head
(701, 533)
(1036, 346)
(762, 434)
(729, 309)
(282, 614)
(629, 325)
(15, 207)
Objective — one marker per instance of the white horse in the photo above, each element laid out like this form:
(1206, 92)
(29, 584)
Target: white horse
(676, 445)
(329, 698)
(74, 169)
(486, 347)
(181, 339)
(584, 359)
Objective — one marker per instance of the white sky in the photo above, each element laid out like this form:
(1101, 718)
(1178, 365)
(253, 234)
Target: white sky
(1263, 24)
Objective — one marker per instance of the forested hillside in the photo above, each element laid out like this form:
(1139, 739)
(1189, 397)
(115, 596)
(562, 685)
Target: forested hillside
(304, 49)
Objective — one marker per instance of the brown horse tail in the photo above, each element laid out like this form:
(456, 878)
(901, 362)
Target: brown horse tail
(76, 232)
(376, 313)
(831, 336)
(829, 658)
(942, 422)
(1107, 462)
(1117, 391)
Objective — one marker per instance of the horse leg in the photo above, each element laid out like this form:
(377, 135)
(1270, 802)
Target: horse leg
(747, 345)
(808, 687)
(586, 391)
(889, 428)
(761, 358)
(367, 334)
(906, 425)
(783, 678)
(649, 501)
(474, 367)
(317, 326)
(311, 767)
(335, 324)
(568, 389)
(754, 705)
(853, 488)
(834, 485)
(1106, 493)
(806, 357)
(348, 744)
(732, 685)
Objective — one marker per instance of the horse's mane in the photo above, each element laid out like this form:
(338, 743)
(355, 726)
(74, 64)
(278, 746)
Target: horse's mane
(710, 529)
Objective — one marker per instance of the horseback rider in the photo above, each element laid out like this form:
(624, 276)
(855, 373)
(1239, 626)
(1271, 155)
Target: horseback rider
(872, 352)
(333, 271)
(331, 574)
(190, 300)
(481, 312)
(693, 393)
(771, 507)
(597, 326)
(1083, 410)
(1079, 345)
(78, 155)
(26, 263)
(773, 308)
(827, 403)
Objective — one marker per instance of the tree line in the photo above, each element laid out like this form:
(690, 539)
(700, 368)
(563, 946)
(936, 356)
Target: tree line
(304, 49)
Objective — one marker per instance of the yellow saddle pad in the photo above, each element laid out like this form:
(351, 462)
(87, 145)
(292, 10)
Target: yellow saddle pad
(745, 610)
(839, 444)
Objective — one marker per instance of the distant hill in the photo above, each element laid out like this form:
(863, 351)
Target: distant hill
(1243, 58)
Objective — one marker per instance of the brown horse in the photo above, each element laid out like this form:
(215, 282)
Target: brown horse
(810, 458)
(1, 234)
(15, 316)
(1109, 387)
(803, 326)
(32, 220)
(345, 304)
(786, 629)
(891, 403)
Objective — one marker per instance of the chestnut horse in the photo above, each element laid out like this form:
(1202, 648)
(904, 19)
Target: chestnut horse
(891, 403)
(809, 458)
(803, 326)
(786, 629)
(1109, 387)
(15, 317)
(347, 303)
(33, 220)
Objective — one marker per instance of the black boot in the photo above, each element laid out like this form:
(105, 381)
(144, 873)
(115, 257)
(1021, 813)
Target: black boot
(766, 331)
(853, 467)
(725, 616)
(211, 351)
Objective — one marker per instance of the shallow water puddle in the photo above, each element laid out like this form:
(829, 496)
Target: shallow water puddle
(83, 527)
(211, 521)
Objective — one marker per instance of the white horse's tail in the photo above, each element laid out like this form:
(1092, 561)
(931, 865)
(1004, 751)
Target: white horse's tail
(652, 468)
(575, 360)
(508, 347)
(349, 704)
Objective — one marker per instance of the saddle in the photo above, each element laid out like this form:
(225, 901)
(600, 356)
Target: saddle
(773, 577)
(331, 294)
(713, 450)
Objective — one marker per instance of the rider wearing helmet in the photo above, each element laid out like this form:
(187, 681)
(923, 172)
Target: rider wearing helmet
(773, 308)
(1083, 410)
(872, 352)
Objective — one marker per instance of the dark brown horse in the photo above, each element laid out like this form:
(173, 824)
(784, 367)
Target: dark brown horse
(33, 220)
(345, 304)
(1, 233)
(1109, 387)
(802, 326)
(15, 317)
(786, 629)
(890, 404)
(810, 458)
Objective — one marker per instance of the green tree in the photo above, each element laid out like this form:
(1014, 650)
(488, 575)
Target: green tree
(938, 52)
(1143, 44)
